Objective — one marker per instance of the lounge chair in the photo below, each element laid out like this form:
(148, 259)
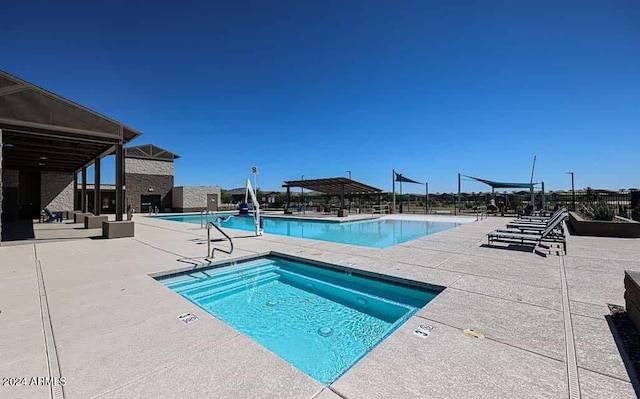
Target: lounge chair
(539, 219)
(53, 217)
(536, 225)
(522, 236)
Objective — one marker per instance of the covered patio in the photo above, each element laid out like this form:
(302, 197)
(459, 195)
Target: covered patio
(47, 141)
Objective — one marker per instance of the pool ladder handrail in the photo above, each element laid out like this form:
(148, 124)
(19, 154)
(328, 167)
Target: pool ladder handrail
(210, 252)
(204, 214)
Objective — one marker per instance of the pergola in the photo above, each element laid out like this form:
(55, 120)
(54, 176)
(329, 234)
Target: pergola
(339, 186)
(43, 132)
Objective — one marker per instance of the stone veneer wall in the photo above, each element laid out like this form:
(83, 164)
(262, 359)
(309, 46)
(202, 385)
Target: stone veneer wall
(139, 184)
(148, 167)
(192, 198)
(143, 174)
(56, 191)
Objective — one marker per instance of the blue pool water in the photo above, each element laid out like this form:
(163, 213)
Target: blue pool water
(320, 320)
(377, 233)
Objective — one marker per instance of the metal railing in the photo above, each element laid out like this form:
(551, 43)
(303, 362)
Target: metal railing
(204, 215)
(210, 252)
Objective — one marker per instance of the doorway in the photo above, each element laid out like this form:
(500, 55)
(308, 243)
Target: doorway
(212, 202)
(149, 203)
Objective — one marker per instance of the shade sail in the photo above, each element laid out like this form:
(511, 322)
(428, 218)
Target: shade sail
(499, 184)
(403, 179)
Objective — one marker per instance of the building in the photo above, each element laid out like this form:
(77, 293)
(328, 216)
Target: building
(47, 141)
(195, 198)
(149, 176)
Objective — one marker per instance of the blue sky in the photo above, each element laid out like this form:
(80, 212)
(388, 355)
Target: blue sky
(318, 88)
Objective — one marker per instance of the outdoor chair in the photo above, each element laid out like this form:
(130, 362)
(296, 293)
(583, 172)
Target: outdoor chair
(524, 225)
(522, 236)
(53, 217)
(539, 219)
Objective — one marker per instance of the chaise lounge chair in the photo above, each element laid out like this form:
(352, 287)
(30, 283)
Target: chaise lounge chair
(537, 226)
(539, 219)
(522, 236)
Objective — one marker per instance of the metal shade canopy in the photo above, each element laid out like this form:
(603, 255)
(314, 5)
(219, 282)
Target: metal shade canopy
(334, 186)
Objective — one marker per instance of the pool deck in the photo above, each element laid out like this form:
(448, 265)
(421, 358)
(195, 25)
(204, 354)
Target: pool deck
(86, 310)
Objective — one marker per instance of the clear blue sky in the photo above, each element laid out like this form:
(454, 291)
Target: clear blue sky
(318, 88)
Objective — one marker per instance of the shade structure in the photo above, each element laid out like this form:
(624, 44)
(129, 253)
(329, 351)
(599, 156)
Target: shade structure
(499, 184)
(333, 186)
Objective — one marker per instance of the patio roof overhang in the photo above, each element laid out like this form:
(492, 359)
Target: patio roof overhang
(334, 186)
(42, 131)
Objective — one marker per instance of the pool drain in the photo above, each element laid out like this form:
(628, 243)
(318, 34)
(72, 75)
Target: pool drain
(473, 333)
(325, 331)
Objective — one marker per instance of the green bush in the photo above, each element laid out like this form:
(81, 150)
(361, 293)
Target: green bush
(602, 212)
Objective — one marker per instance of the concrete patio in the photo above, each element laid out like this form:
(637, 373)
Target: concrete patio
(86, 310)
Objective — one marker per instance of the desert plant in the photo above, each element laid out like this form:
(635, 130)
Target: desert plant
(602, 212)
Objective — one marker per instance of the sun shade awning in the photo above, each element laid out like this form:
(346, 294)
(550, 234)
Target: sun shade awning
(499, 184)
(333, 186)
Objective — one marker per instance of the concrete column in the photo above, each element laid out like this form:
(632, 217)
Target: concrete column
(83, 196)
(75, 191)
(119, 181)
(97, 198)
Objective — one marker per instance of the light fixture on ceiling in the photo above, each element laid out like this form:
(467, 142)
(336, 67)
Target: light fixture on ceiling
(8, 145)
(43, 158)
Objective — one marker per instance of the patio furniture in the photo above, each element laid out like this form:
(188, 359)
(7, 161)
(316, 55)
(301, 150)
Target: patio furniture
(53, 216)
(537, 225)
(522, 236)
(540, 219)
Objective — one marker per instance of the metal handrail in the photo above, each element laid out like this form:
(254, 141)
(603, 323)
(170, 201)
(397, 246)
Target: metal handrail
(212, 252)
(204, 214)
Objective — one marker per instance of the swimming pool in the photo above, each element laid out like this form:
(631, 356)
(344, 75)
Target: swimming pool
(319, 319)
(377, 233)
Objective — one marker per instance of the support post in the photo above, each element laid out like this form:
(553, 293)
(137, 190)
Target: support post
(83, 195)
(75, 191)
(426, 198)
(455, 212)
(97, 197)
(119, 181)
(573, 193)
(400, 193)
(393, 184)
(544, 200)
(288, 198)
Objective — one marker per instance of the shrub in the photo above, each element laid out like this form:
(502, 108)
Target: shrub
(602, 212)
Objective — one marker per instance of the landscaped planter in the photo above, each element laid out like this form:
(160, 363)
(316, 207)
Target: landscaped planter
(600, 228)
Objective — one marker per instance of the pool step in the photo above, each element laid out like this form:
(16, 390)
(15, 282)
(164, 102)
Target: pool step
(232, 288)
(189, 281)
(381, 308)
(194, 292)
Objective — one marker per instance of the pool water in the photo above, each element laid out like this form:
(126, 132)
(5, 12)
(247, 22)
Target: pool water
(320, 320)
(377, 233)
